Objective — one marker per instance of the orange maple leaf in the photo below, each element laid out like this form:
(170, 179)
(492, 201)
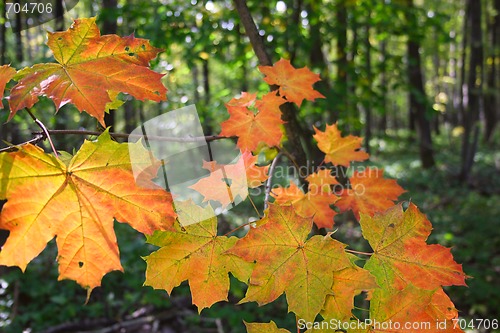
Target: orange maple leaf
(369, 192)
(339, 150)
(215, 186)
(401, 255)
(288, 262)
(264, 328)
(6, 74)
(310, 204)
(90, 68)
(295, 84)
(321, 181)
(347, 283)
(195, 254)
(412, 310)
(77, 202)
(251, 128)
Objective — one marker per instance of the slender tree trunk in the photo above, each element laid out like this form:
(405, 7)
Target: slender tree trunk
(109, 26)
(318, 60)
(492, 99)
(59, 12)
(474, 90)
(341, 86)
(19, 37)
(196, 82)
(418, 98)
(367, 101)
(436, 61)
(3, 41)
(383, 82)
(463, 61)
(206, 82)
(294, 30)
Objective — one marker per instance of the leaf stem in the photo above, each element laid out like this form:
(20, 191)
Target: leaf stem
(238, 228)
(254, 207)
(44, 130)
(358, 252)
(270, 179)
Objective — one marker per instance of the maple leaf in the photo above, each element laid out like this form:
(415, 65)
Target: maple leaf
(251, 128)
(77, 202)
(339, 150)
(264, 328)
(321, 181)
(412, 310)
(215, 186)
(287, 262)
(89, 69)
(310, 204)
(196, 254)
(6, 74)
(369, 192)
(295, 84)
(401, 255)
(347, 283)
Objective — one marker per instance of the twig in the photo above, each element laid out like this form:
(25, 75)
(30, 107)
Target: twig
(208, 138)
(270, 179)
(39, 137)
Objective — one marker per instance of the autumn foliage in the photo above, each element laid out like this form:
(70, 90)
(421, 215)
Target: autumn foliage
(76, 198)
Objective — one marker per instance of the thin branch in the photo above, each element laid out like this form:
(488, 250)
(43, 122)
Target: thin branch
(270, 179)
(38, 138)
(208, 138)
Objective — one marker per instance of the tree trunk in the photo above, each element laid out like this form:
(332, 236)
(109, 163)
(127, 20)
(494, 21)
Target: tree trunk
(3, 41)
(383, 82)
(19, 37)
(419, 104)
(341, 86)
(491, 101)
(318, 61)
(367, 100)
(59, 12)
(109, 26)
(474, 90)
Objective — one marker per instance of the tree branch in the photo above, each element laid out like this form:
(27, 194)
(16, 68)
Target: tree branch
(208, 138)
(39, 137)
